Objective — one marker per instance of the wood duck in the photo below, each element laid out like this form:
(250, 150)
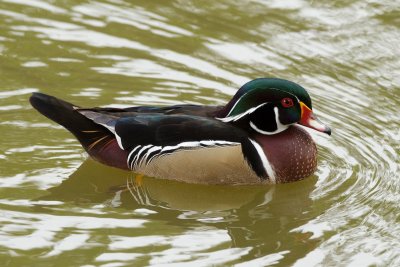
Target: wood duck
(254, 139)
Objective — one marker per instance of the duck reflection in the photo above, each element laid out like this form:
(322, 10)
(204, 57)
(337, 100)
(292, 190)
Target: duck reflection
(259, 217)
(266, 223)
(95, 183)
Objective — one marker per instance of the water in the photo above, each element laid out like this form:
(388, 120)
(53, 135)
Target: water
(59, 208)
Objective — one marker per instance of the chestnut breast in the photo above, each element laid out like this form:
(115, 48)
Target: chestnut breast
(291, 153)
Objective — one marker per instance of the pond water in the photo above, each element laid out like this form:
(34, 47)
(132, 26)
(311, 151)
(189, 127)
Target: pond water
(59, 208)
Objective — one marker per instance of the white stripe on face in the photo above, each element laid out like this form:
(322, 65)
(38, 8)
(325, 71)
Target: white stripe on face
(241, 115)
(280, 127)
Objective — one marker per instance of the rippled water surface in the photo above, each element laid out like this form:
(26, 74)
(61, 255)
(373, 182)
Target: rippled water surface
(58, 208)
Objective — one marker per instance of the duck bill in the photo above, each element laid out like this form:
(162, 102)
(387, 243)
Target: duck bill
(308, 119)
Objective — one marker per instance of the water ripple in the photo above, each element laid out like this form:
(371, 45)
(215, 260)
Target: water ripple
(113, 52)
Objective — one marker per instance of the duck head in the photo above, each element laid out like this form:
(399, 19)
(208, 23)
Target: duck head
(269, 106)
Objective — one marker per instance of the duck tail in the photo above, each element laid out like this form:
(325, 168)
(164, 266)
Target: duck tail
(88, 133)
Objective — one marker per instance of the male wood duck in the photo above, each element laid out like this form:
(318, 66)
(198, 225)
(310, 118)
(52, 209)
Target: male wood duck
(254, 139)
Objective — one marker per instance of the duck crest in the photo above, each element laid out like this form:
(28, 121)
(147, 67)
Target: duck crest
(259, 91)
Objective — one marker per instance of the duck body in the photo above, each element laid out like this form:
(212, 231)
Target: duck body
(254, 139)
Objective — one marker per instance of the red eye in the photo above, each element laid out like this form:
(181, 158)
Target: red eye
(287, 102)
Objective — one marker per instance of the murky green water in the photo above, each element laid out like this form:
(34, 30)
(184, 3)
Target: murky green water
(59, 209)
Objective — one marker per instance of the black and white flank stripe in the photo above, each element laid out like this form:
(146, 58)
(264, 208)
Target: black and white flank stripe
(142, 155)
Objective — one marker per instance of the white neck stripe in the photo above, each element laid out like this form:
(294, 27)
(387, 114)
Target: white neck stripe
(266, 164)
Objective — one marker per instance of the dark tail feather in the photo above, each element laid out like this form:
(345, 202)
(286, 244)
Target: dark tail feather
(88, 133)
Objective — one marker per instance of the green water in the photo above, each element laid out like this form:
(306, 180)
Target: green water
(58, 208)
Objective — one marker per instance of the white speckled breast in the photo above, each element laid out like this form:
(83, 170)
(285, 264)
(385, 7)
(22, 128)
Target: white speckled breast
(292, 154)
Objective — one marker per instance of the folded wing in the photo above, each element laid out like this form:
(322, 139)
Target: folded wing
(148, 136)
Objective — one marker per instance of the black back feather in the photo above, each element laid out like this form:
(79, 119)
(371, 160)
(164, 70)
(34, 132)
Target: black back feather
(165, 130)
(86, 131)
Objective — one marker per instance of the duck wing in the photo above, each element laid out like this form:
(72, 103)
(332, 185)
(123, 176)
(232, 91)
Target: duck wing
(151, 135)
(164, 130)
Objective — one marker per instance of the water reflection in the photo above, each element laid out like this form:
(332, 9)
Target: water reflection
(95, 183)
(258, 219)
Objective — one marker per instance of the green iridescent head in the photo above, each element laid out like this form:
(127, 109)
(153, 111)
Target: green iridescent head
(271, 105)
